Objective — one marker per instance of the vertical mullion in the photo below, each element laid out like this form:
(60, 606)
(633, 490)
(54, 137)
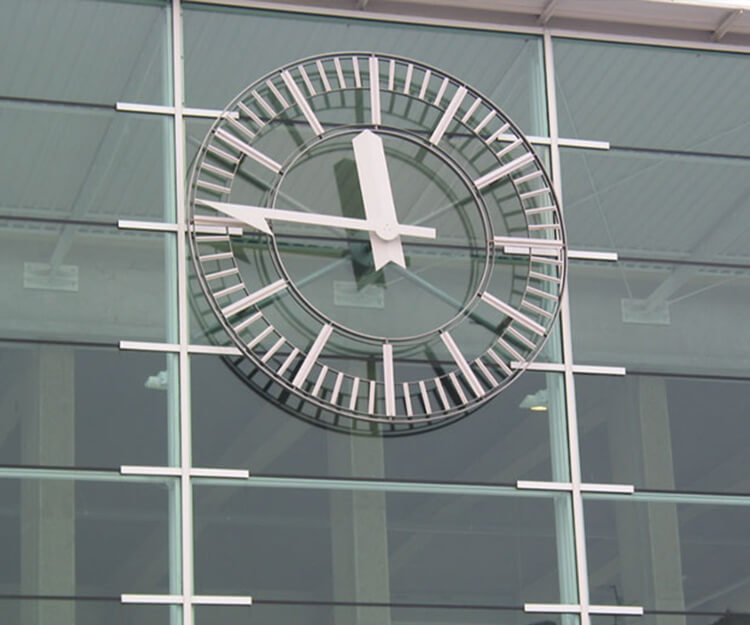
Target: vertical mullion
(186, 493)
(573, 447)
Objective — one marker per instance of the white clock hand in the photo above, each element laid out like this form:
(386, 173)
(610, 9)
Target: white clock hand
(257, 216)
(377, 197)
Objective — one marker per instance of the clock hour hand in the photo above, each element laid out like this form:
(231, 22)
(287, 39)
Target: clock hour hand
(257, 217)
(377, 197)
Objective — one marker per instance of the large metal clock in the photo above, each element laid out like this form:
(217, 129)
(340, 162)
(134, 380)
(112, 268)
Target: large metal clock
(378, 239)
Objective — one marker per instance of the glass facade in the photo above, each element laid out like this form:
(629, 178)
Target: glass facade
(145, 479)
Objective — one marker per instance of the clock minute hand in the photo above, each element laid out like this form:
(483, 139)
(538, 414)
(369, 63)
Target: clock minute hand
(257, 217)
(377, 198)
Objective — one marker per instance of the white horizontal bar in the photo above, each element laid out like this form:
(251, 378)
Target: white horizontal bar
(221, 600)
(552, 608)
(211, 113)
(241, 474)
(632, 610)
(145, 470)
(130, 224)
(538, 366)
(161, 599)
(161, 109)
(597, 370)
(218, 350)
(584, 143)
(149, 347)
(535, 485)
(627, 489)
(587, 255)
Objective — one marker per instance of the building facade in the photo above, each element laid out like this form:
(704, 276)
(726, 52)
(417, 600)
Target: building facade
(145, 478)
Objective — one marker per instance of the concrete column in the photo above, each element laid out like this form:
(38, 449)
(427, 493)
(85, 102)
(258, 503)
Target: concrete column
(48, 564)
(359, 537)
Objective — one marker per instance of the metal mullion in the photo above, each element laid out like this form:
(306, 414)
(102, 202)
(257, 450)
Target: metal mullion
(579, 536)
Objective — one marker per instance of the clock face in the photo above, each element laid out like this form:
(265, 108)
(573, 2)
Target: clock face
(378, 239)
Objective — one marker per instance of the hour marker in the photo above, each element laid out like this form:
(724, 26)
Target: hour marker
(391, 74)
(425, 84)
(229, 290)
(407, 80)
(217, 171)
(534, 193)
(274, 348)
(441, 92)
(223, 155)
(281, 99)
(457, 387)
(540, 209)
(442, 394)
(509, 349)
(509, 148)
(247, 322)
(471, 111)
(323, 76)
(302, 103)
(503, 170)
(288, 362)
(484, 122)
(306, 80)
(354, 392)
(319, 381)
(527, 177)
(213, 223)
(388, 381)
(212, 186)
(312, 355)
(221, 274)
(216, 256)
(521, 338)
(264, 105)
(371, 398)
(246, 110)
(425, 397)
(463, 365)
(486, 372)
(495, 135)
(250, 151)
(254, 298)
(374, 91)
(514, 314)
(339, 72)
(357, 76)
(540, 293)
(445, 120)
(407, 400)
(544, 276)
(499, 362)
(337, 387)
(260, 337)
(533, 307)
(240, 127)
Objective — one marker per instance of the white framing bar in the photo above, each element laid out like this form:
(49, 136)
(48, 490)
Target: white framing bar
(241, 474)
(574, 608)
(180, 600)
(161, 109)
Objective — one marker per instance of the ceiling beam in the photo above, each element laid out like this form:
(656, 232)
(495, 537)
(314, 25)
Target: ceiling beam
(547, 12)
(725, 24)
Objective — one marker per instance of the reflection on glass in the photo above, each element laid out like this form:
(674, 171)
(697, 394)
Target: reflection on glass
(665, 433)
(82, 612)
(655, 316)
(67, 538)
(374, 546)
(669, 556)
(74, 406)
(82, 283)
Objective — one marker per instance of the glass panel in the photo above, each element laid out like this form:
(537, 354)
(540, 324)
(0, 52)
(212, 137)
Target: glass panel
(69, 538)
(718, 618)
(311, 614)
(654, 316)
(83, 51)
(507, 440)
(84, 283)
(76, 406)
(82, 163)
(657, 205)
(82, 612)
(665, 433)
(692, 100)
(247, 44)
(669, 556)
(374, 546)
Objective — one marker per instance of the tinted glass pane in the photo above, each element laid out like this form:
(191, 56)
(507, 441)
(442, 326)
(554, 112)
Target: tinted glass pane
(83, 163)
(85, 539)
(657, 204)
(280, 614)
(83, 283)
(669, 556)
(233, 426)
(665, 433)
(227, 50)
(718, 618)
(74, 406)
(653, 97)
(653, 316)
(84, 51)
(364, 545)
(80, 612)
